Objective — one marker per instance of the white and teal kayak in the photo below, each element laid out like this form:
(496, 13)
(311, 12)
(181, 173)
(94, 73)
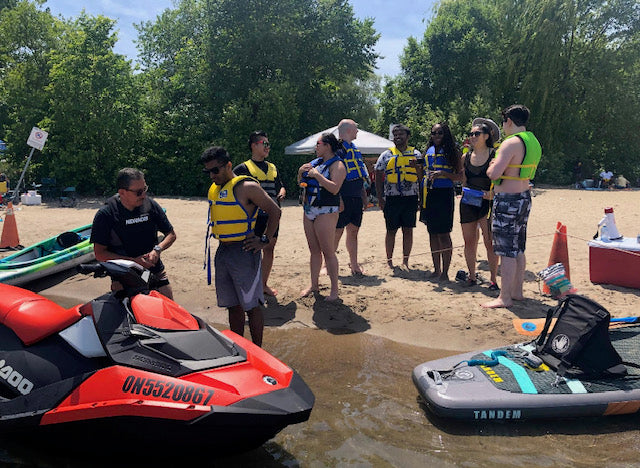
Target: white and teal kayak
(50, 256)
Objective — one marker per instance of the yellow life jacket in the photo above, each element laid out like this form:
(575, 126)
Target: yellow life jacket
(532, 155)
(3, 186)
(228, 219)
(267, 181)
(398, 169)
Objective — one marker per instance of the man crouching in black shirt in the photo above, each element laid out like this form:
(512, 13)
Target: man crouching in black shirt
(127, 228)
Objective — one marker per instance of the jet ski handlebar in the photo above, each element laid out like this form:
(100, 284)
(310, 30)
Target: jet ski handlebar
(132, 276)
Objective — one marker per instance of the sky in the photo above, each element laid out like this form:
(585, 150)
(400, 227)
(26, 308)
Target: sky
(394, 20)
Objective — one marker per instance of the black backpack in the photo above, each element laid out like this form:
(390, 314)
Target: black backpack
(579, 344)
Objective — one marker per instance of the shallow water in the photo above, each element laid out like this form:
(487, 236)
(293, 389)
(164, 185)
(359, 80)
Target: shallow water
(367, 414)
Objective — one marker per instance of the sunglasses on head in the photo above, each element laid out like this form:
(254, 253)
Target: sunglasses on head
(438, 132)
(139, 192)
(215, 170)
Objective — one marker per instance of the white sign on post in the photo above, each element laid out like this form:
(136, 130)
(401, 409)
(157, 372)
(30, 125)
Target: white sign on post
(37, 138)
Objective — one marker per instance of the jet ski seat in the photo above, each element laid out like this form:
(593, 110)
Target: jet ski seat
(31, 316)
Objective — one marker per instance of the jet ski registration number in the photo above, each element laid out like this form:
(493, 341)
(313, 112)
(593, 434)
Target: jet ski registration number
(167, 390)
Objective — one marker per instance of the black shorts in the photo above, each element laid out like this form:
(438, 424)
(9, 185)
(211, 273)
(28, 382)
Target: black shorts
(261, 226)
(352, 213)
(438, 211)
(400, 211)
(470, 213)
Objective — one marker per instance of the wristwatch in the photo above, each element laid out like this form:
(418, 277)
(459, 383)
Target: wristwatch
(157, 248)
(264, 239)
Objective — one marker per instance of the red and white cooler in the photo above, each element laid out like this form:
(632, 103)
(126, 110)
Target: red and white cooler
(615, 262)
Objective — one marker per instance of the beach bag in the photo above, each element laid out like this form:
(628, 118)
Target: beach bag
(472, 197)
(579, 344)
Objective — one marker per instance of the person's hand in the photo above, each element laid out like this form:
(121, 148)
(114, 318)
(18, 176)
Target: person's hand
(381, 203)
(253, 244)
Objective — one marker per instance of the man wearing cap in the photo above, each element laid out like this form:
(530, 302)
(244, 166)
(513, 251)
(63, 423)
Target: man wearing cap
(396, 168)
(353, 195)
(267, 175)
(511, 171)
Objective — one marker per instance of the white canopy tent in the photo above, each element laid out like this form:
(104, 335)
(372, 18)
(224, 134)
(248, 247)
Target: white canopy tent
(367, 143)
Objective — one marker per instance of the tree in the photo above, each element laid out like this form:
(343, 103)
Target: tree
(92, 118)
(216, 69)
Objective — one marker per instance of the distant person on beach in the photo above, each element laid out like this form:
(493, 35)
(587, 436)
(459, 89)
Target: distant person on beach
(353, 194)
(444, 167)
(622, 182)
(512, 170)
(474, 211)
(234, 202)
(127, 228)
(605, 179)
(397, 173)
(321, 180)
(267, 175)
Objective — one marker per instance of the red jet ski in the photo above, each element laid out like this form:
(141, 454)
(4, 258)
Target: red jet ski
(136, 364)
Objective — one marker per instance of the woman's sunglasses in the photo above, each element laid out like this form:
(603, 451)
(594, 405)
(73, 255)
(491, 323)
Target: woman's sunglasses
(475, 134)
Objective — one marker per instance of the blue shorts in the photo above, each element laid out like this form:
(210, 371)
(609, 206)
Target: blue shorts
(509, 223)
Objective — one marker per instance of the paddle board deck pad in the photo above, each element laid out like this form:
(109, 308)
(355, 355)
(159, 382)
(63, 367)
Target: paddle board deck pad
(507, 383)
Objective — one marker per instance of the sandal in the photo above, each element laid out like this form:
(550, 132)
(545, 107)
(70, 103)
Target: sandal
(470, 282)
(494, 286)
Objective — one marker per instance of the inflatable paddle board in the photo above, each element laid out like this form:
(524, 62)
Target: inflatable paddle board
(507, 383)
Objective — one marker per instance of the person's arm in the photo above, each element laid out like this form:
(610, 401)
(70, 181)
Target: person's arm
(251, 193)
(380, 188)
(169, 238)
(508, 150)
(337, 172)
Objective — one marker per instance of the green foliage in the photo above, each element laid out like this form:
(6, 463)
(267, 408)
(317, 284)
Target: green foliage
(573, 63)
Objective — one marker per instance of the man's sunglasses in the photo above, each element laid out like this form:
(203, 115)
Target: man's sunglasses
(215, 170)
(139, 192)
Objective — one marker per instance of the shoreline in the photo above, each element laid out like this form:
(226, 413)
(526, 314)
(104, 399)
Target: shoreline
(403, 306)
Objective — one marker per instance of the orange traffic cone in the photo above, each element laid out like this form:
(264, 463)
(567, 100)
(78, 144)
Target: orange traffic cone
(10, 237)
(559, 253)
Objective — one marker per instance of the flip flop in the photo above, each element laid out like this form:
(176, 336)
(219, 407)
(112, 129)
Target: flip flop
(494, 287)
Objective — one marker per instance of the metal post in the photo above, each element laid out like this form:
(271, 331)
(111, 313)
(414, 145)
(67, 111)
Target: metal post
(16, 190)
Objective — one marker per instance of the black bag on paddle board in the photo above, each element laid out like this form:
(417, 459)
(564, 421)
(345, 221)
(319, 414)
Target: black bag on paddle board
(579, 344)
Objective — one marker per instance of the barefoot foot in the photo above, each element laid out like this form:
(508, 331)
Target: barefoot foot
(269, 291)
(497, 304)
(308, 292)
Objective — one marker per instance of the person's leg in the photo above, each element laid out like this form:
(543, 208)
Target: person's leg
(470, 236)
(325, 229)
(389, 244)
(446, 246)
(267, 264)
(517, 294)
(339, 232)
(508, 271)
(492, 258)
(407, 244)
(256, 325)
(434, 244)
(236, 319)
(352, 248)
(315, 256)
(166, 291)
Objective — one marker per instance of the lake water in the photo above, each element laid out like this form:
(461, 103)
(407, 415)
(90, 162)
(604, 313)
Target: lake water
(367, 414)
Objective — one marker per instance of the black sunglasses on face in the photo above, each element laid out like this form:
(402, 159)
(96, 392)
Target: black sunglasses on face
(214, 170)
(437, 132)
(475, 134)
(139, 192)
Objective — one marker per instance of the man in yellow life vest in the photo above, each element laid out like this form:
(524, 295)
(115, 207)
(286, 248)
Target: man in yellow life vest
(511, 171)
(267, 175)
(234, 203)
(398, 170)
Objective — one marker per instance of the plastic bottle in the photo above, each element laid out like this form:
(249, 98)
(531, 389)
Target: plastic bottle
(610, 222)
(604, 233)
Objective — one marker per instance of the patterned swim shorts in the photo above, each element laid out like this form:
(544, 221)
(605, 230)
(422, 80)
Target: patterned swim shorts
(509, 225)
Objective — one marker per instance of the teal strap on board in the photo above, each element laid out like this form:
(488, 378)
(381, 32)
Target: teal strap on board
(519, 372)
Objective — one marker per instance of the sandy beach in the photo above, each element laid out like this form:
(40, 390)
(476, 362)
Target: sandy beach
(403, 306)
